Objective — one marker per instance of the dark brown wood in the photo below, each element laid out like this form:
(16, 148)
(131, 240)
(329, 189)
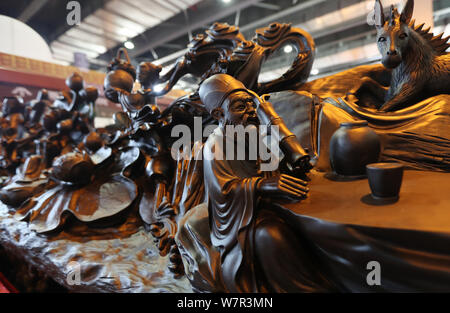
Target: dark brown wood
(419, 61)
(225, 222)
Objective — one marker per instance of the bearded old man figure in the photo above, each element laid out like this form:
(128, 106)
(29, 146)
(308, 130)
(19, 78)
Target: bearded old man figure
(249, 246)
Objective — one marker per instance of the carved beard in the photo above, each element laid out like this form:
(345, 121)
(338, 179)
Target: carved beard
(245, 121)
(246, 139)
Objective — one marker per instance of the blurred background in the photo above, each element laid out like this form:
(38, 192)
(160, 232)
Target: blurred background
(38, 40)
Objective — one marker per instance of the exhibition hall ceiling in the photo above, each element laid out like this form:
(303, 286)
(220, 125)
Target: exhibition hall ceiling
(115, 23)
(159, 30)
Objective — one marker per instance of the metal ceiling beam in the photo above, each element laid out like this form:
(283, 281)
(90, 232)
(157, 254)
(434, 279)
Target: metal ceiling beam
(267, 6)
(314, 9)
(207, 12)
(172, 46)
(275, 17)
(31, 10)
(264, 21)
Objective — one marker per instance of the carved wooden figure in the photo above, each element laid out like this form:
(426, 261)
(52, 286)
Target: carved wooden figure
(419, 62)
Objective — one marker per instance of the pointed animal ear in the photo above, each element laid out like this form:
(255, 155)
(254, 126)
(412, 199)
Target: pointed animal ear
(407, 12)
(379, 14)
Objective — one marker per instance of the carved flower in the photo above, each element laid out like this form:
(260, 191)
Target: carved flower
(28, 181)
(81, 187)
(73, 168)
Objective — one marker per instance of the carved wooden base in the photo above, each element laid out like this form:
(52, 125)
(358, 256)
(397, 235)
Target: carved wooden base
(130, 264)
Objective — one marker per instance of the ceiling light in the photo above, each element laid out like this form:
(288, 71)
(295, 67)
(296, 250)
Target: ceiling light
(288, 49)
(226, 1)
(129, 45)
(314, 71)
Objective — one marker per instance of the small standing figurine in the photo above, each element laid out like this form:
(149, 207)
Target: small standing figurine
(79, 98)
(141, 105)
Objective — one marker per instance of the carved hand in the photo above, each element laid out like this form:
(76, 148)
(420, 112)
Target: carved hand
(283, 186)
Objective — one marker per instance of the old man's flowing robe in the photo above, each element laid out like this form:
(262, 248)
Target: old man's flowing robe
(252, 239)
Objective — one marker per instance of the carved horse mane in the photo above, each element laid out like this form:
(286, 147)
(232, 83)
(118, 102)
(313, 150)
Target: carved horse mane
(420, 65)
(439, 44)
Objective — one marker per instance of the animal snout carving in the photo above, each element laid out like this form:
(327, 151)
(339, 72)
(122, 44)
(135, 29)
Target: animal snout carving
(392, 52)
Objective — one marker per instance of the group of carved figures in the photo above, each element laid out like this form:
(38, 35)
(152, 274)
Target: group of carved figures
(57, 166)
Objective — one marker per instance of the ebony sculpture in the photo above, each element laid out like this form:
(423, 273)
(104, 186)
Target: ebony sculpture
(419, 62)
(249, 235)
(60, 168)
(223, 49)
(64, 167)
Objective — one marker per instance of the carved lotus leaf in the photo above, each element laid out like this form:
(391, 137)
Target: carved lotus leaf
(73, 168)
(103, 198)
(130, 161)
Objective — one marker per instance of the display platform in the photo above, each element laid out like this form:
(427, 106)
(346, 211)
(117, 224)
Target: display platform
(424, 203)
(347, 232)
(409, 239)
(348, 228)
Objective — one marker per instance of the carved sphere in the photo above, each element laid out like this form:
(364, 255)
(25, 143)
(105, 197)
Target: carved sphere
(93, 141)
(65, 126)
(116, 81)
(352, 147)
(75, 82)
(90, 94)
(73, 168)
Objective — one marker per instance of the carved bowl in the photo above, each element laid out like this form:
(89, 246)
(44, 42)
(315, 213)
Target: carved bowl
(116, 81)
